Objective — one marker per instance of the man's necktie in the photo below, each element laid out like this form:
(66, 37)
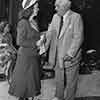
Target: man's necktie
(61, 24)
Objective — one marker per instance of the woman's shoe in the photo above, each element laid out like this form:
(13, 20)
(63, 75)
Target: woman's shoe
(26, 99)
(21, 98)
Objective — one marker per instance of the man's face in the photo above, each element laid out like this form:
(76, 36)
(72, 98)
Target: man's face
(62, 7)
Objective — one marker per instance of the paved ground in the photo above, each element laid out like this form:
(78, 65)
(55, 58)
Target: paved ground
(88, 85)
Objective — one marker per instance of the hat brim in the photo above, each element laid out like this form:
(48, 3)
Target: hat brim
(26, 5)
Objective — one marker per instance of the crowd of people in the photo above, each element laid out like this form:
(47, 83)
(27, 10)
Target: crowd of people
(62, 41)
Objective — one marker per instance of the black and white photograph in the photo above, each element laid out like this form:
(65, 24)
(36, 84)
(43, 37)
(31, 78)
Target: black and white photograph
(49, 49)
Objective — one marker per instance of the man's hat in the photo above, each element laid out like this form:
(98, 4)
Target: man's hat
(28, 3)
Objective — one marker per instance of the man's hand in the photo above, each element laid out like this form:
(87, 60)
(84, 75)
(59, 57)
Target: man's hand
(41, 41)
(67, 58)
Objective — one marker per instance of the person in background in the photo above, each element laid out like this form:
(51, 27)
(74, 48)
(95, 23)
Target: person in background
(25, 82)
(11, 50)
(64, 39)
(7, 50)
(7, 37)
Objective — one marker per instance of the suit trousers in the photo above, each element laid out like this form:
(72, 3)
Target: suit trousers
(66, 82)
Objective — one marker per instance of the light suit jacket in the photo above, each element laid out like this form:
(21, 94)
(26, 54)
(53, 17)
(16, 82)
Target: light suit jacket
(69, 41)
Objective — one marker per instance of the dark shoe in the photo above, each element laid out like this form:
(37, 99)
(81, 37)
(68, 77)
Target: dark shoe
(21, 98)
(32, 98)
(3, 77)
(26, 99)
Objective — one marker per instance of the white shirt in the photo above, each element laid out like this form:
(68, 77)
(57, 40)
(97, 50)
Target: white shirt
(65, 15)
(33, 23)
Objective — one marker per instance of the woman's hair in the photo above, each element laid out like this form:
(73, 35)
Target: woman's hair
(26, 13)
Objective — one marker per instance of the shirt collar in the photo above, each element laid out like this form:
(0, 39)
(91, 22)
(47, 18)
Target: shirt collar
(33, 24)
(65, 15)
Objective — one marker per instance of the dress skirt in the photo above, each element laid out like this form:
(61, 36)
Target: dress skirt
(25, 81)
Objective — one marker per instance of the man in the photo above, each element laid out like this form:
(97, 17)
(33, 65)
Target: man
(64, 42)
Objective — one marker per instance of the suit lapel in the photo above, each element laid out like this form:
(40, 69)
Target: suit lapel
(65, 25)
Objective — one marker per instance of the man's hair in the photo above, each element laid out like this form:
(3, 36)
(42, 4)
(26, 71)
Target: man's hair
(63, 2)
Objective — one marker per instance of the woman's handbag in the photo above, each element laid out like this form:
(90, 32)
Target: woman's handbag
(47, 72)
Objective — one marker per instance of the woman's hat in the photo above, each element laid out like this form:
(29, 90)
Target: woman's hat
(28, 3)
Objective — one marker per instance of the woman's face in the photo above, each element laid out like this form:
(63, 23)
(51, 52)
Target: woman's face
(35, 9)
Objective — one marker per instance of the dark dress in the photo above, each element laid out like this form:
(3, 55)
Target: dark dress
(26, 77)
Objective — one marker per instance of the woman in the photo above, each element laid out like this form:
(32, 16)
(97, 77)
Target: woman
(26, 77)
